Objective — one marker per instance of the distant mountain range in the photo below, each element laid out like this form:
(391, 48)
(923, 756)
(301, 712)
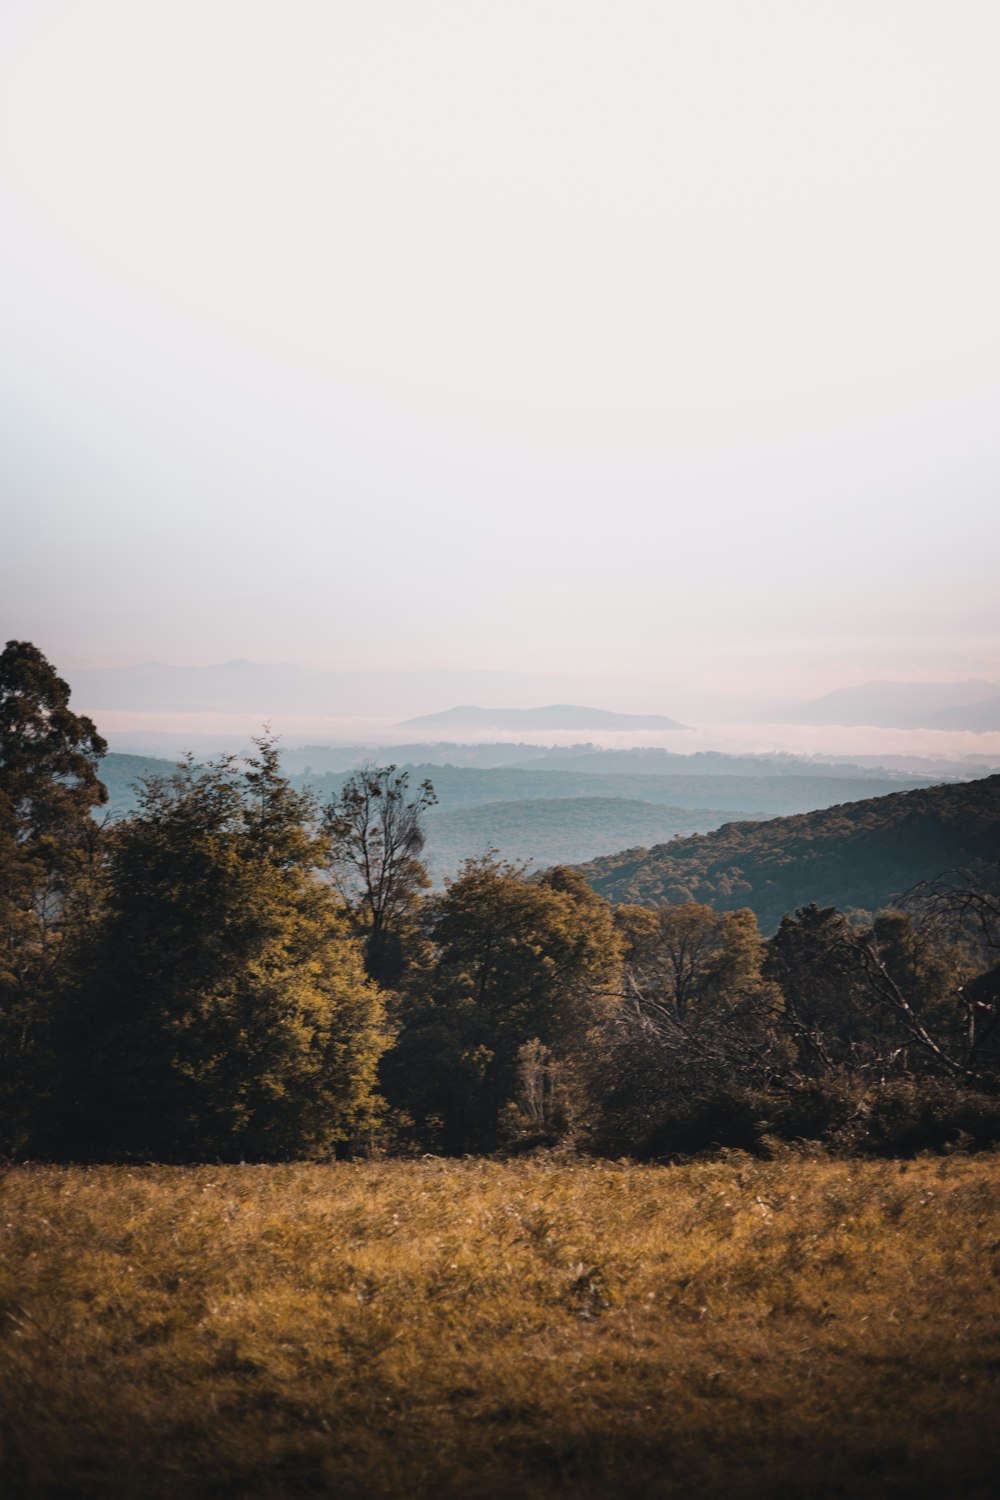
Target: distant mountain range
(979, 717)
(262, 691)
(973, 704)
(271, 688)
(554, 716)
(860, 854)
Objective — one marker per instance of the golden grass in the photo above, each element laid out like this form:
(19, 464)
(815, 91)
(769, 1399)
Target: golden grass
(801, 1327)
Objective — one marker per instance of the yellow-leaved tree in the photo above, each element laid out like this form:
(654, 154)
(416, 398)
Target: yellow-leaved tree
(222, 1009)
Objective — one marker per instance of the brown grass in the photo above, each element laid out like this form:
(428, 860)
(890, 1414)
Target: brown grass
(801, 1327)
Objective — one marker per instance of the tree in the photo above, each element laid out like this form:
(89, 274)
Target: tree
(940, 1010)
(686, 960)
(514, 960)
(48, 790)
(963, 917)
(376, 836)
(827, 1014)
(696, 975)
(901, 995)
(696, 1021)
(224, 1010)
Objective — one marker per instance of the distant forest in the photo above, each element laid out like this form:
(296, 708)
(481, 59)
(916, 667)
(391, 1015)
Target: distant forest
(859, 855)
(242, 967)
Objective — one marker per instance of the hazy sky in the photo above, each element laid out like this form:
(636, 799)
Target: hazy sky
(659, 339)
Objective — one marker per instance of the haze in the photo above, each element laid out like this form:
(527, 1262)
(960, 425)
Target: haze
(652, 341)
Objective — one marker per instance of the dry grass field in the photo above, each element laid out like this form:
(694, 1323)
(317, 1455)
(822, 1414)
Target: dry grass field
(799, 1327)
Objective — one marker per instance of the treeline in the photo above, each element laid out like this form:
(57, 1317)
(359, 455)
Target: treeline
(237, 972)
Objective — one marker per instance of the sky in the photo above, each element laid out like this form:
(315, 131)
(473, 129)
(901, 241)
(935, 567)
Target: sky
(645, 340)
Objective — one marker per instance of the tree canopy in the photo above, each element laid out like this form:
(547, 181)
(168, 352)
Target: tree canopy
(859, 855)
(512, 960)
(48, 788)
(223, 1009)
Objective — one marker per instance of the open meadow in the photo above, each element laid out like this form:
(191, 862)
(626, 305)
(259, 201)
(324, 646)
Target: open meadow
(796, 1327)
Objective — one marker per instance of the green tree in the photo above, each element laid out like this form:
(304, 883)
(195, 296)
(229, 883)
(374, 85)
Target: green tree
(930, 1003)
(513, 960)
(696, 1021)
(225, 1011)
(690, 962)
(48, 790)
(961, 921)
(376, 839)
(827, 1014)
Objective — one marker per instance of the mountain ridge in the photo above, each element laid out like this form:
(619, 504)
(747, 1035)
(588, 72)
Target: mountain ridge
(888, 704)
(980, 717)
(855, 854)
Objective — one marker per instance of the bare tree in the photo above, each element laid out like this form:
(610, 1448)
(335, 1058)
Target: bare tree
(376, 839)
(965, 919)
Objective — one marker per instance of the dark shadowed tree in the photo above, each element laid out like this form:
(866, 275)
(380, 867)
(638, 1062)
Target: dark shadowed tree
(963, 916)
(512, 960)
(814, 960)
(48, 789)
(937, 1010)
(376, 838)
(696, 1020)
(225, 1011)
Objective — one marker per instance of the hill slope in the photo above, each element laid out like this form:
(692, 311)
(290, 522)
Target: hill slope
(858, 854)
(121, 775)
(561, 830)
(561, 816)
(751, 796)
(979, 717)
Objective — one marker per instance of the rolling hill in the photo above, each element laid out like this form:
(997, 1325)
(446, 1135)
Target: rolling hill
(801, 788)
(560, 830)
(859, 854)
(753, 796)
(121, 774)
(561, 816)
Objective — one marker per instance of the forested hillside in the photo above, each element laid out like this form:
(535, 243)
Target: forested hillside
(121, 774)
(861, 854)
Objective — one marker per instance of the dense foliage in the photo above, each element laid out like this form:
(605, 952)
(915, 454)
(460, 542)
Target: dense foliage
(511, 964)
(220, 1007)
(48, 788)
(234, 972)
